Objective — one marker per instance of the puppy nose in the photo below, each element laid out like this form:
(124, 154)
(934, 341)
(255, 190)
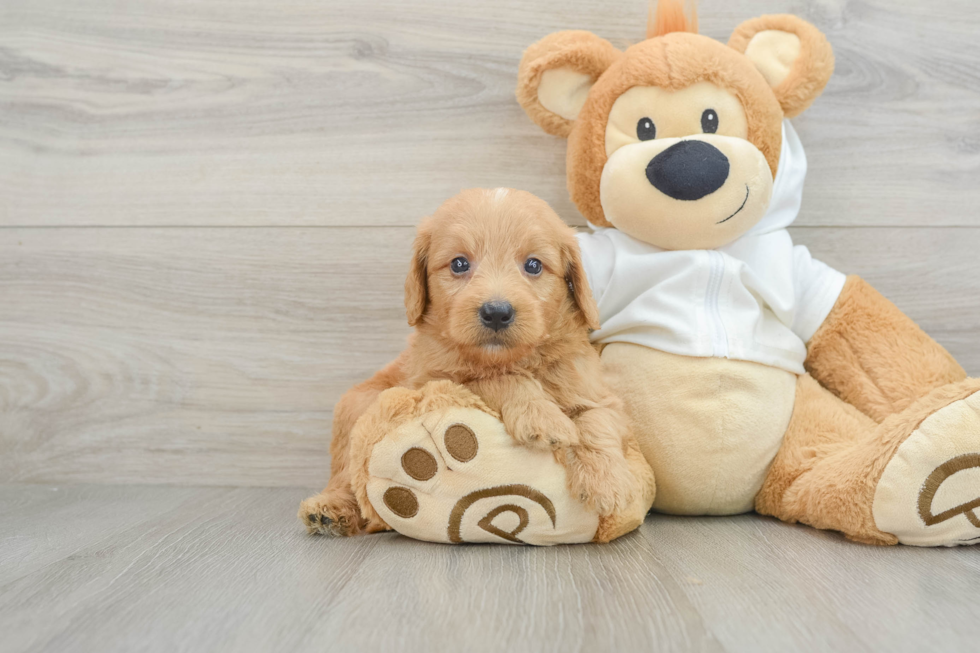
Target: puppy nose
(688, 170)
(497, 315)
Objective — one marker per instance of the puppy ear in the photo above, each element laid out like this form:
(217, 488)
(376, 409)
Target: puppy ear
(417, 282)
(578, 283)
(556, 75)
(793, 56)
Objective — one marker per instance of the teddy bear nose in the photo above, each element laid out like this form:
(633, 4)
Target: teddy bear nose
(688, 170)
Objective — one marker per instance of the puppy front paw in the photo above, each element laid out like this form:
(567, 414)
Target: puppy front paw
(602, 480)
(541, 425)
(332, 513)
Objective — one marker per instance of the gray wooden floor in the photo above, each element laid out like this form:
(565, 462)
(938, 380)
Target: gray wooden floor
(205, 213)
(101, 568)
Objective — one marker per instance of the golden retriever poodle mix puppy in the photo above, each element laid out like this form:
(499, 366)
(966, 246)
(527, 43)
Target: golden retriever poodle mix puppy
(501, 306)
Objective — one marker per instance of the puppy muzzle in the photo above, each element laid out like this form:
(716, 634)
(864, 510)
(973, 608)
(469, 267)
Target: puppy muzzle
(497, 315)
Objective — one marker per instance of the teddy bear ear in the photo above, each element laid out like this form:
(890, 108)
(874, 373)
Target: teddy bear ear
(556, 75)
(794, 57)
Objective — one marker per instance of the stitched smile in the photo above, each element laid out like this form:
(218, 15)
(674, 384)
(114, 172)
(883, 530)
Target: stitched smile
(739, 208)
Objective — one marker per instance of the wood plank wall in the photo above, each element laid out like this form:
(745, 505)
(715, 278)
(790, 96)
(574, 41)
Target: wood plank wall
(206, 207)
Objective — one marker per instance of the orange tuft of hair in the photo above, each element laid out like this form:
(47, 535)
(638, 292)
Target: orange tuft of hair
(668, 16)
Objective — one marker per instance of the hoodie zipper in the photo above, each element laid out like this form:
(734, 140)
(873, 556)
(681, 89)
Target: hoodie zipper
(712, 300)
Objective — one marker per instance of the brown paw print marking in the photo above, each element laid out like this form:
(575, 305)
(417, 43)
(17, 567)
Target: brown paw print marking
(401, 501)
(461, 442)
(456, 516)
(937, 478)
(487, 522)
(419, 464)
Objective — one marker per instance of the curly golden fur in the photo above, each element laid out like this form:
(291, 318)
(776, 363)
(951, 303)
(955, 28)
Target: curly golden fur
(541, 373)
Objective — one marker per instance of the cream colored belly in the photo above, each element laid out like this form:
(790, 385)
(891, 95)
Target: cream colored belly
(709, 427)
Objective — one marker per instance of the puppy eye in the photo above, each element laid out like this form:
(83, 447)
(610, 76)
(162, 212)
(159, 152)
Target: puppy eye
(533, 266)
(646, 130)
(459, 265)
(709, 121)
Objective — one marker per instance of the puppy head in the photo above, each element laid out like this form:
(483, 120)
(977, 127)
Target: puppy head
(495, 273)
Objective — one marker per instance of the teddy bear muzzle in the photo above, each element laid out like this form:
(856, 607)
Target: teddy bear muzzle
(688, 170)
(692, 192)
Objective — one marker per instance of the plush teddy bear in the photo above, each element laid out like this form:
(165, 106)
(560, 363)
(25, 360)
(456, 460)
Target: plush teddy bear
(756, 377)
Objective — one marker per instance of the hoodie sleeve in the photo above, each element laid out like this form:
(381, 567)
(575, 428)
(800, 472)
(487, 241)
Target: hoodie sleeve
(817, 287)
(598, 259)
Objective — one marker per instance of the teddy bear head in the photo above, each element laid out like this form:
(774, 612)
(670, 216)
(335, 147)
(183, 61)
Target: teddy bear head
(676, 140)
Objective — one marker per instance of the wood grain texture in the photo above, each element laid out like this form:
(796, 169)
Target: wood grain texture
(205, 215)
(216, 352)
(329, 112)
(165, 569)
(213, 356)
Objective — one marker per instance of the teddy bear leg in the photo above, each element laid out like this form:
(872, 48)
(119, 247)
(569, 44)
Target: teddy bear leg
(438, 465)
(914, 478)
(871, 355)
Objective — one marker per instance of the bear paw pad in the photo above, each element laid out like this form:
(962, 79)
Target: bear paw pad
(456, 475)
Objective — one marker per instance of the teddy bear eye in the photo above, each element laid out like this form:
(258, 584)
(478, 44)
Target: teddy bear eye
(709, 121)
(646, 130)
(459, 265)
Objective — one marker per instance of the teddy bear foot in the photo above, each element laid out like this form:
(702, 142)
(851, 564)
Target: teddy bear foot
(929, 493)
(437, 464)
(455, 475)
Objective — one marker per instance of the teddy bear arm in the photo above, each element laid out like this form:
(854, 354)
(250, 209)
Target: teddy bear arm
(874, 357)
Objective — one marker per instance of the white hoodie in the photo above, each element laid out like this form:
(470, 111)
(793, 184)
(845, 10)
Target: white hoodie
(757, 299)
